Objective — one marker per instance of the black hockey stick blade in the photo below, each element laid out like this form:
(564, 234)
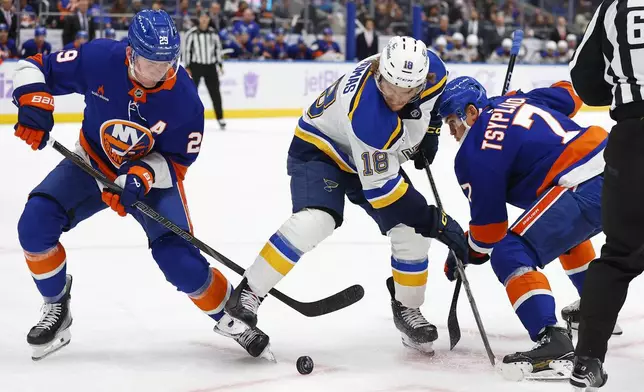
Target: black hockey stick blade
(331, 304)
(452, 320)
(335, 302)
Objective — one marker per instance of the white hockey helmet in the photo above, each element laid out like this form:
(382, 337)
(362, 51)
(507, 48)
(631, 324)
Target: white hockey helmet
(441, 41)
(404, 62)
(551, 46)
(506, 43)
(458, 37)
(562, 46)
(571, 38)
(472, 40)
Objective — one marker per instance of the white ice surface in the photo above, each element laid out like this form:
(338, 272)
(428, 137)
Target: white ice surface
(133, 332)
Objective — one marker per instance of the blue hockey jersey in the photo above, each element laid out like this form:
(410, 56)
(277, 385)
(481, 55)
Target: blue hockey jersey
(122, 121)
(521, 145)
(31, 48)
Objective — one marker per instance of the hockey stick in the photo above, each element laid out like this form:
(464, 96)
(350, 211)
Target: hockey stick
(338, 301)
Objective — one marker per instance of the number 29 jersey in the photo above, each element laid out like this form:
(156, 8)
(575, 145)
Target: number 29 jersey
(351, 126)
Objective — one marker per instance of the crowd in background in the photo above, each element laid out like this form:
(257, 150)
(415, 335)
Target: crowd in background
(459, 30)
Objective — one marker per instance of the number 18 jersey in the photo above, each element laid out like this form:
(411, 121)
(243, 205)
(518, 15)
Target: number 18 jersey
(351, 126)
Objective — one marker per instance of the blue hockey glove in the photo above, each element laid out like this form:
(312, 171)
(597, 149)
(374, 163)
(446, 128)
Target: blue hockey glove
(136, 178)
(427, 148)
(449, 232)
(35, 114)
(474, 257)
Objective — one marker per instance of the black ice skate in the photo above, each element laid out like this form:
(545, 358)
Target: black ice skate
(416, 331)
(253, 340)
(52, 331)
(588, 373)
(222, 124)
(243, 303)
(550, 359)
(570, 314)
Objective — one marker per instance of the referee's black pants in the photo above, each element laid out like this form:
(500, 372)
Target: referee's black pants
(211, 77)
(622, 257)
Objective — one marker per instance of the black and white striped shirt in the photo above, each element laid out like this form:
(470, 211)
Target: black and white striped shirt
(608, 65)
(202, 47)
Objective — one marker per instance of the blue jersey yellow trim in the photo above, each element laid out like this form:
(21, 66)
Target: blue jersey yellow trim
(310, 134)
(388, 194)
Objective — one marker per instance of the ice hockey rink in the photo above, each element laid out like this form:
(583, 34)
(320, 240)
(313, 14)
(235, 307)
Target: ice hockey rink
(133, 331)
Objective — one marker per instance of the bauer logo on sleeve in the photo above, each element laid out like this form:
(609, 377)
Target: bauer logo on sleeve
(124, 141)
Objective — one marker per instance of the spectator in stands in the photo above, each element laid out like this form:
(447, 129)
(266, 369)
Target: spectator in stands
(472, 48)
(183, 13)
(28, 17)
(326, 46)
(549, 54)
(458, 53)
(457, 14)
(78, 21)
(281, 47)
(232, 49)
(502, 54)
(157, 5)
(243, 6)
(562, 52)
(433, 13)
(383, 19)
(281, 9)
(36, 45)
(81, 38)
(9, 17)
(442, 29)
(218, 20)
(8, 48)
(119, 7)
(440, 47)
(231, 7)
(248, 23)
(110, 33)
(135, 7)
(494, 37)
(300, 51)
(560, 31)
(367, 41)
(472, 26)
(246, 46)
(511, 12)
(571, 39)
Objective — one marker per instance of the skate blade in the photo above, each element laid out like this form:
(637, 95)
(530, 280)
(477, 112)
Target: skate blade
(518, 371)
(616, 331)
(44, 350)
(423, 348)
(230, 327)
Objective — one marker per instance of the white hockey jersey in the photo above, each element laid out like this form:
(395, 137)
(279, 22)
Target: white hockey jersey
(352, 125)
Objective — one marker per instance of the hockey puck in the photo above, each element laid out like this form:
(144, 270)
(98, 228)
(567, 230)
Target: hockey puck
(304, 365)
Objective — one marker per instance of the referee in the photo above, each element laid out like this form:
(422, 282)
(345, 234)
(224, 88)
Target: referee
(608, 69)
(202, 58)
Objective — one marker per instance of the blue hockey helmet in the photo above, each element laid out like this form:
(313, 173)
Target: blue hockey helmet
(82, 34)
(40, 31)
(110, 33)
(153, 37)
(459, 93)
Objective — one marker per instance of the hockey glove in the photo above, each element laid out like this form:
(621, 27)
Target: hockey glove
(35, 114)
(474, 257)
(427, 148)
(136, 179)
(449, 232)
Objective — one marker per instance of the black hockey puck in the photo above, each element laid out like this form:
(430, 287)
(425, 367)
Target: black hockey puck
(304, 365)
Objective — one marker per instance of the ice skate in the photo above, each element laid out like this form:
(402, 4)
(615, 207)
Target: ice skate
(253, 340)
(588, 374)
(416, 331)
(243, 303)
(52, 331)
(570, 314)
(550, 359)
(222, 124)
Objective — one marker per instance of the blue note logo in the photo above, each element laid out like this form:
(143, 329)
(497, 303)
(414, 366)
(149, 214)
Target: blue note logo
(330, 185)
(124, 141)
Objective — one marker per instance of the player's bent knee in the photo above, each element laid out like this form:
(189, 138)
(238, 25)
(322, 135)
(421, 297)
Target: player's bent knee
(180, 262)
(408, 245)
(41, 224)
(512, 253)
(307, 228)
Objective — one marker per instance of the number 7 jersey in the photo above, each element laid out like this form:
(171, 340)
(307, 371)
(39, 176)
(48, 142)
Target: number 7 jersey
(351, 126)
(521, 145)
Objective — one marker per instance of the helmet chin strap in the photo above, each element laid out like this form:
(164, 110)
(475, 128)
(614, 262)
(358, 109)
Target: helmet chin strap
(467, 127)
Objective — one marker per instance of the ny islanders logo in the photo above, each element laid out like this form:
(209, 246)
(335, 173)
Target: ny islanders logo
(124, 141)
